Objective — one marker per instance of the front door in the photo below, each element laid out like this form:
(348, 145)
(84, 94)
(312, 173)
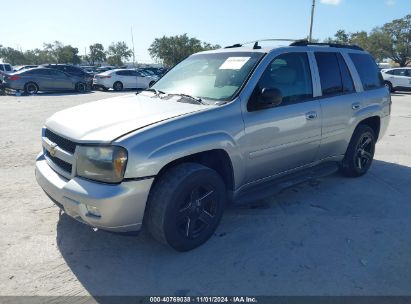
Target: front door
(286, 136)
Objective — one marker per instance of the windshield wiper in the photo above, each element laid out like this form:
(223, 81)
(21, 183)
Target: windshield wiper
(156, 92)
(196, 99)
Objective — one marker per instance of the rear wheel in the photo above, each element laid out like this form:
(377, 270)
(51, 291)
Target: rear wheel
(185, 206)
(118, 86)
(360, 152)
(388, 85)
(31, 88)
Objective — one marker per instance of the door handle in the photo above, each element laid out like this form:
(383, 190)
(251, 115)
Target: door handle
(311, 115)
(355, 106)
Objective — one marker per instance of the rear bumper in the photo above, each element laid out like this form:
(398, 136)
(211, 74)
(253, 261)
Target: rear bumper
(121, 206)
(99, 86)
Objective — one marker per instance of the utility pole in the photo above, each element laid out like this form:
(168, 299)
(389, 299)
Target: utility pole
(132, 41)
(310, 37)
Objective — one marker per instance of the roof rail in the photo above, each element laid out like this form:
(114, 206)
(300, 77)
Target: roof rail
(256, 46)
(335, 45)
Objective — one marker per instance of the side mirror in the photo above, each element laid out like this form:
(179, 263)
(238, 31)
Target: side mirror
(269, 98)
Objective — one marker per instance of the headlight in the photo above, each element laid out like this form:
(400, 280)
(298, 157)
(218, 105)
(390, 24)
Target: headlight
(105, 164)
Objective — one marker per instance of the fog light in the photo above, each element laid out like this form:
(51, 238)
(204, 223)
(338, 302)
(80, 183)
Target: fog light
(93, 211)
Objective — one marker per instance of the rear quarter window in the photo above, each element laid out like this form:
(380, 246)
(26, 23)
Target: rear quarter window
(367, 70)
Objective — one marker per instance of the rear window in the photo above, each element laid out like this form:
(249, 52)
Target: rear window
(368, 71)
(334, 74)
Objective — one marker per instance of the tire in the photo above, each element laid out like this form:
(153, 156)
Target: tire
(389, 86)
(118, 86)
(81, 87)
(31, 88)
(185, 206)
(360, 153)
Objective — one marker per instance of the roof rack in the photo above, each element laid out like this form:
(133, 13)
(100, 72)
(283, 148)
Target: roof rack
(256, 46)
(335, 45)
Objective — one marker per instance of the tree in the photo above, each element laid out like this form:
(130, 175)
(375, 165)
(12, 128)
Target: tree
(96, 54)
(396, 37)
(12, 56)
(172, 50)
(117, 52)
(60, 53)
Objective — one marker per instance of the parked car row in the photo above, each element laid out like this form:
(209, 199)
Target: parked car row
(64, 77)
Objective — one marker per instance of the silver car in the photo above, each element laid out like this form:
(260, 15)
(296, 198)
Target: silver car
(221, 126)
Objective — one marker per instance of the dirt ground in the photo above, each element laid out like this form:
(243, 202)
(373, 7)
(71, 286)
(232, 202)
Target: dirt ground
(331, 236)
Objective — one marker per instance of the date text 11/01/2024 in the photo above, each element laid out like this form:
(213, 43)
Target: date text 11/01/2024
(187, 299)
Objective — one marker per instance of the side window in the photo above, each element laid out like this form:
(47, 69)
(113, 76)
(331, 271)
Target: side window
(8, 67)
(408, 73)
(400, 72)
(368, 71)
(121, 73)
(290, 73)
(43, 72)
(347, 82)
(391, 72)
(331, 82)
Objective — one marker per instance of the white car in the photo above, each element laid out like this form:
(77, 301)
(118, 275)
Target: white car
(397, 79)
(120, 79)
(5, 68)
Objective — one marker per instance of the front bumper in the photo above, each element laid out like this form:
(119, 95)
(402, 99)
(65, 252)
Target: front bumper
(121, 206)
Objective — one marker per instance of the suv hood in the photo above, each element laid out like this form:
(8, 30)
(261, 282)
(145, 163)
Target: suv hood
(105, 120)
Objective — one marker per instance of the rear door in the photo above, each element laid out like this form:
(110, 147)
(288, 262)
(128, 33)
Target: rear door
(338, 101)
(41, 77)
(400, 78)
(122, 77)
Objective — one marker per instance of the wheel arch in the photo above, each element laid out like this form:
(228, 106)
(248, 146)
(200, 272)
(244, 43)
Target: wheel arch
(216, 159)
(374, 122)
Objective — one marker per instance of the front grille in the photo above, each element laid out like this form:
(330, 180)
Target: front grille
(62, 142)
(61, 163)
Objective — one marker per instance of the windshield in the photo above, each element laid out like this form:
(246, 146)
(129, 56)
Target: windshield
(215, 76)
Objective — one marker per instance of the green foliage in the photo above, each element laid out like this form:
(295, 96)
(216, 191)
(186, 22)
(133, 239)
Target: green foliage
(172, 50)
(117, 52)
(60, 53)
(396, 38)
(96, 54)
(392, 40)
(11, 55)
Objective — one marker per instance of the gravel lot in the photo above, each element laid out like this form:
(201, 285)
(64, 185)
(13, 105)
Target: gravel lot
(331, 236)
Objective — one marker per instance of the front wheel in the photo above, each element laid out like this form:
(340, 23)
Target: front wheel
(81, 87)
(185, 206)
(360, 152)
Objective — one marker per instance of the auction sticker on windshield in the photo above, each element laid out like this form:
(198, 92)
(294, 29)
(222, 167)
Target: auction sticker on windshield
(234, 63)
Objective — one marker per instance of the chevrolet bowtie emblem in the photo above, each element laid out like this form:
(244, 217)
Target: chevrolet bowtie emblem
(52, 149)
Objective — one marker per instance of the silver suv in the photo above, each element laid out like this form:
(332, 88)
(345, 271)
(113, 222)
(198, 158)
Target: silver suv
(219, 127)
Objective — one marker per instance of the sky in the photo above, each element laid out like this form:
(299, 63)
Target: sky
(27, 24)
